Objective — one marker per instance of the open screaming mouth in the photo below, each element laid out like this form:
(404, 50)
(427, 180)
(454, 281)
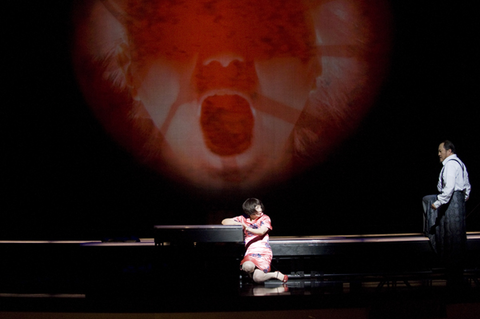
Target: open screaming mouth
(227, 124)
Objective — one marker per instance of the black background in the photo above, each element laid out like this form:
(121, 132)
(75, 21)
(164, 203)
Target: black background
(63, 177)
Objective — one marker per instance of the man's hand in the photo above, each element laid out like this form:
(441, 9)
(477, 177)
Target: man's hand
(433, 207)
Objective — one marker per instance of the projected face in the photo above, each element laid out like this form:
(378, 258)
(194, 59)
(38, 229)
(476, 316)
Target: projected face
(229, 94)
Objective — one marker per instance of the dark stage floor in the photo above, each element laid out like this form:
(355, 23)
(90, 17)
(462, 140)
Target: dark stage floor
(370, 276)
(300, 298)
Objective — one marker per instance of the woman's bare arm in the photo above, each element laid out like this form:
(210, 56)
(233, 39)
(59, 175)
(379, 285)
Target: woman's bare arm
(230, 221)
(257, 231)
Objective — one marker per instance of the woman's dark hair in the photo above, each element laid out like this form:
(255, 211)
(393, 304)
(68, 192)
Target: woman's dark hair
(449, 146)
(250, 204)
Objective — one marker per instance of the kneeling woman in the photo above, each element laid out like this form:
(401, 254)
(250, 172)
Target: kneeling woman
(258, 254)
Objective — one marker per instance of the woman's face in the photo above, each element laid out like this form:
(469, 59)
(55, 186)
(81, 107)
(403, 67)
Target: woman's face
(232, 94)
(258, 212)
(220, 97)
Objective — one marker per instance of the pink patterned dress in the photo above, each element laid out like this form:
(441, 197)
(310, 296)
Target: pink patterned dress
(259, 252)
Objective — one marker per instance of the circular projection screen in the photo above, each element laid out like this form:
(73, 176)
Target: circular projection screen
(230, 95)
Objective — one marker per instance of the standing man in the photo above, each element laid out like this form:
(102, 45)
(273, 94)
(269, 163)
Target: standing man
(445, 212)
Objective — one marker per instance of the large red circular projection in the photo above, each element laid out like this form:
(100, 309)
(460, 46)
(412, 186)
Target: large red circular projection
(236, 95)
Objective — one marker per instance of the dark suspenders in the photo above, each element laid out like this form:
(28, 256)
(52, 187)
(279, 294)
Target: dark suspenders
(463, 172)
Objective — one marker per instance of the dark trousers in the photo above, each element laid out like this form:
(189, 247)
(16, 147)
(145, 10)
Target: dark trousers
(446, 229)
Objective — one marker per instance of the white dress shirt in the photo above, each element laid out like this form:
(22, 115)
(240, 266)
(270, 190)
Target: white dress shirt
(453, 177)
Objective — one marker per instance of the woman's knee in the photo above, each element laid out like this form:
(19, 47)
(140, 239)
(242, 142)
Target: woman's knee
(248, 266)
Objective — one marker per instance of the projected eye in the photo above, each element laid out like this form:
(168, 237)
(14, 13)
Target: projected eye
(230, 94)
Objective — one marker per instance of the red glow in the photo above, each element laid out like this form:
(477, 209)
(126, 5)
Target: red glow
(230, 94)
(227, 124)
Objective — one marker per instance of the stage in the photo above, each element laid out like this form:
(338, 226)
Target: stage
(375, 274)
